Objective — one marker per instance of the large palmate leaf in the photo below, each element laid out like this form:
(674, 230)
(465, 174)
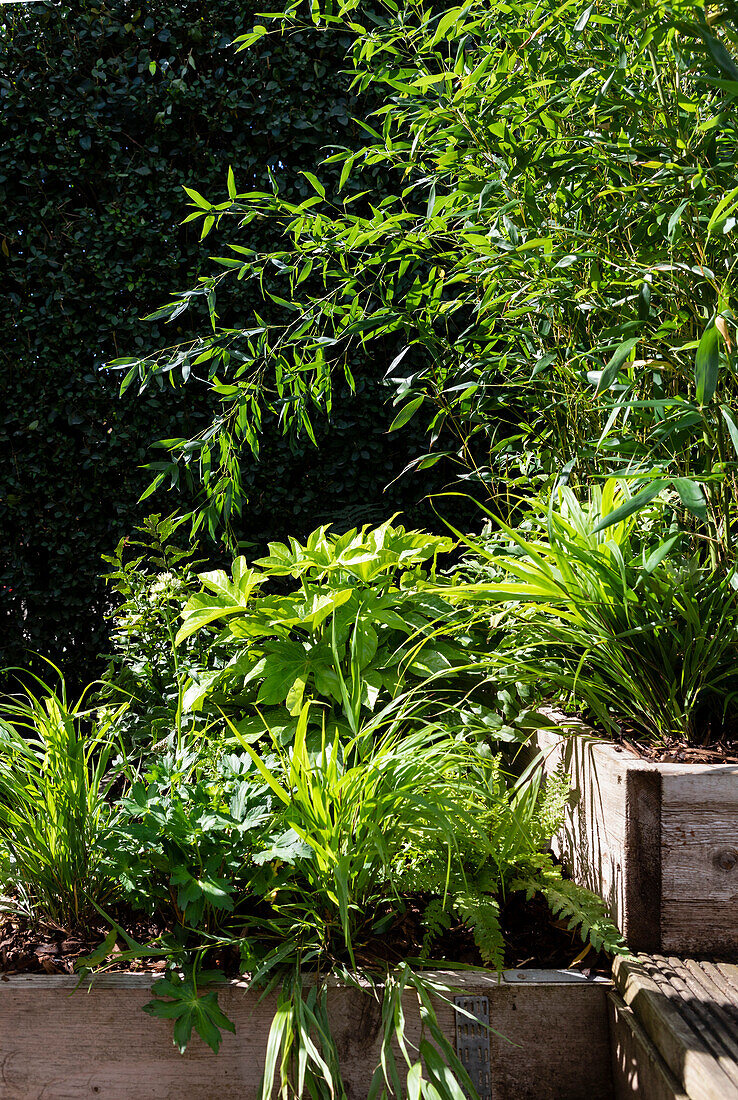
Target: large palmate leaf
(177, 998)
(289, 666)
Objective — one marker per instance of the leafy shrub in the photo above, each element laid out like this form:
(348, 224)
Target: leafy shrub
(152, 578)
(356, 628)
(348, 620)
(301, 858)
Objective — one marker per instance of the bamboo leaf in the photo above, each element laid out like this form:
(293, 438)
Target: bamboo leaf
(630, 507)
(732, 427)
(691, 496)
(707, 363)
(610, 373)
(406, 413)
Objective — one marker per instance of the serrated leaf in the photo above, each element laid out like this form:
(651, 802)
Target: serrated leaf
(190, 1010)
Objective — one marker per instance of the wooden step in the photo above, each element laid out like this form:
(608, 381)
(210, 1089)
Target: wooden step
(687, 1016)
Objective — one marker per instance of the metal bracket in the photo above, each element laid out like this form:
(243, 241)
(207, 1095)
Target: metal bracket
(472, 1042)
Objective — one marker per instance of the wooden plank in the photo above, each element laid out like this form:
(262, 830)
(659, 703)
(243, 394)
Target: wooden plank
(611, 838)
(690, 927)
(715, 1010)
(680, 1028)
(699, 853)
(638, 1070)
(593, 837)
(658, 841)
(697, 785)
(551, 1040)
(696, 1012)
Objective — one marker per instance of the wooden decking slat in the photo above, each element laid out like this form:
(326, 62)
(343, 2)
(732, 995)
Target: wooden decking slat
(687, 1014)
(708, 1015)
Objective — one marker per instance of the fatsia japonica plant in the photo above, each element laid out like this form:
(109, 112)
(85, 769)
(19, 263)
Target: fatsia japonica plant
(357, 626)
(554, 266)
(349, 621)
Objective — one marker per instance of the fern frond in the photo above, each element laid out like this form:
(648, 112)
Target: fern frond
(580, 908)
(437, 920)
(482, 914)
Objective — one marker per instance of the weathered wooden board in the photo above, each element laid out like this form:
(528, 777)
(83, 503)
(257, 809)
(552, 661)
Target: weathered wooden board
(658, 841)
(689, 1011)
(551, 1040)
(638, 1070)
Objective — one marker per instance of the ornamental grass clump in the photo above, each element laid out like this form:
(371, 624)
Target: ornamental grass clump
(56, 775)
(607, 611)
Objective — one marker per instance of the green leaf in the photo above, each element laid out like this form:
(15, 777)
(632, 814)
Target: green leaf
(657, 556)
(447, 21)
(407, 412)
(100, 953)
(317, 185)
(674, 219)
(583, 19)
(414, 1081)
(732, 427)
(691, 496)
(707, 363)
(203, 609)
(198, 199)
(640, 500)
(190, 1010)
(724, 208)
(365, 642)
(610, 373)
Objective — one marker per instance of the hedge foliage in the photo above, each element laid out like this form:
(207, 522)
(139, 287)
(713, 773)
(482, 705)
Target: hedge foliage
(106, 111)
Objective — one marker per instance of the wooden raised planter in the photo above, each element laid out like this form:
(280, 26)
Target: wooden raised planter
(658, 841)
(57, 1044)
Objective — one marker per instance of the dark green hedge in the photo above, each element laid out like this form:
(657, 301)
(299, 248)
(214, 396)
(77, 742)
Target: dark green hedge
(106, 110)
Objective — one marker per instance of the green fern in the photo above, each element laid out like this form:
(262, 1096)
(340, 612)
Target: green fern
(580, 908)
(437, 920)
(551, 807)
(482, 914)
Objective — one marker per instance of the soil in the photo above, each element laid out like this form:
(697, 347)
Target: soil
(48, 949)
(533, 940)
(679, 752)
(718, 745)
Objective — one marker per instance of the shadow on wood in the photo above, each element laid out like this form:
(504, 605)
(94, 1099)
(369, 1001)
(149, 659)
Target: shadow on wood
(551, 1039)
